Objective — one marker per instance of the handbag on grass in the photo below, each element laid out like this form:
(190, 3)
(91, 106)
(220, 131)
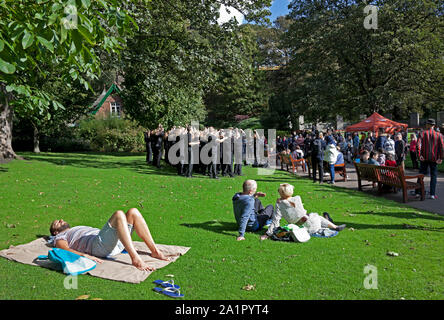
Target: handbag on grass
(69, 262)
(299, 234)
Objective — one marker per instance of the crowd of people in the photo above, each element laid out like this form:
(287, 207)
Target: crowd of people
(212, 152)
(426, 150)
(426, 146)
(226, 151)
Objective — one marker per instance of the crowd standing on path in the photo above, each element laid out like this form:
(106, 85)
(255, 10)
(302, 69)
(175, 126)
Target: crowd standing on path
(228, 150)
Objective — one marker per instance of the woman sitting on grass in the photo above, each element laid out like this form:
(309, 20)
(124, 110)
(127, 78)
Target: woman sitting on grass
(292, 210)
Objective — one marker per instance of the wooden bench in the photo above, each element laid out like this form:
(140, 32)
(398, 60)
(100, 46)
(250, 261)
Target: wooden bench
(287, 160)
(390, 176)
(297, 163)
(340, 169)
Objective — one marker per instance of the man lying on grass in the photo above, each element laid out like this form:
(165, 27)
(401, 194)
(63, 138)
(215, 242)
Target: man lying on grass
(115, 236)
(292, 210)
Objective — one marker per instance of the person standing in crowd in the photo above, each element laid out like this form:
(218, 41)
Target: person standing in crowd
(389, 146)
(430, 149)
(149, 150)
(238, 153)
(331, 156)
(380, 141)
(412, 149)
(372, 137)
(317, 156)
(399, 150)
(191, 141)
(355, 144)
(157, 145)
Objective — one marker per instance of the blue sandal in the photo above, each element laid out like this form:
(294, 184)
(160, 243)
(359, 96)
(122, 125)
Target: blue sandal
(170, 292)
(167, 284)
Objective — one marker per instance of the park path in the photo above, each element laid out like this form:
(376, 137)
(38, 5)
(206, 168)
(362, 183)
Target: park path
(435, 206)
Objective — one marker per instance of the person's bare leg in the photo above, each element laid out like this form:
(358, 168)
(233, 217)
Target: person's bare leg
(118, 221)
(135, 218)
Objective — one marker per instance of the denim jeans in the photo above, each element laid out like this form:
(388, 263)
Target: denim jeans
(423, 169)
(332, 172)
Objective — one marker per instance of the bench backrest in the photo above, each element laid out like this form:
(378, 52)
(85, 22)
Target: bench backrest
(366, 171)
(392, 176)
(285, 158)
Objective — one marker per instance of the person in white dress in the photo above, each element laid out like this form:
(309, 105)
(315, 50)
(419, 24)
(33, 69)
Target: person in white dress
(292, 210)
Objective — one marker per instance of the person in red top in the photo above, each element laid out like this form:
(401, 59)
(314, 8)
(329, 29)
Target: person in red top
(412, 150)
(390, 162)
(430, 149)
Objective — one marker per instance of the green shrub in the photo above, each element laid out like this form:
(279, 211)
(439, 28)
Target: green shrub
(112, 135)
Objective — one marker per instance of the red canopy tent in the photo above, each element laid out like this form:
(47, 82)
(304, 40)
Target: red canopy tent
(374, 122)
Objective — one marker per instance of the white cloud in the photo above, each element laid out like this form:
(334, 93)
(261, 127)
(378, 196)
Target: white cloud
(225, 16)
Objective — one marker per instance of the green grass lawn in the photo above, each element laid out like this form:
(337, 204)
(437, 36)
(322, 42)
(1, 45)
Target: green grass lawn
(85, 189)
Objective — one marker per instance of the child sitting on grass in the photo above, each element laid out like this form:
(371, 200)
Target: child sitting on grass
(292, 210)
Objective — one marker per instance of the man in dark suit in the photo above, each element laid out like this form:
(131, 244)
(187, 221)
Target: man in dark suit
(157, 145)
(149, 150)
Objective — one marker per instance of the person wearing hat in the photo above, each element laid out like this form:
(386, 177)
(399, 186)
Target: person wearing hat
(430, 149)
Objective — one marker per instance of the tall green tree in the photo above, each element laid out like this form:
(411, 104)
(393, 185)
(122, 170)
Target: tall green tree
(178, 55)
(339, 66)
(39, 36)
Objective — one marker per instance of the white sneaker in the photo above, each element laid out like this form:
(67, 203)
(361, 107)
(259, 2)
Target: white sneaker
(434, 197)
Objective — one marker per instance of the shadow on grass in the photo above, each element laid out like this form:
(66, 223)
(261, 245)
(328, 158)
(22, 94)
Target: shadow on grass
(100, 161)
(363, 226)
(222, 227)
(404, 215)
(3, 169)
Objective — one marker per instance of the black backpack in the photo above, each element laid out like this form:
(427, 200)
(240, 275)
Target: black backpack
(316, 147)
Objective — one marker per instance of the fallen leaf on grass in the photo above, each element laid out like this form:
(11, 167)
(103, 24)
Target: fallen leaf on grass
(249, 287)
(83, 297)
(392, 254)
(351, 229)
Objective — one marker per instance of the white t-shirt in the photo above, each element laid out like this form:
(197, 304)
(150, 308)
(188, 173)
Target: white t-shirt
(79, 238)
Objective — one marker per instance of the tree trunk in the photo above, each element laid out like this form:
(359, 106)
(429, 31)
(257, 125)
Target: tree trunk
(6, 113)
(36, 140)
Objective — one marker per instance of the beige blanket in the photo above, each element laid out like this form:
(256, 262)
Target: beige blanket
(118, 268)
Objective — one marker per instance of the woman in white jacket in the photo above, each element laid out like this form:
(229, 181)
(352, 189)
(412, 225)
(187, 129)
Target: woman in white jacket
(331, 156)
(292, 210)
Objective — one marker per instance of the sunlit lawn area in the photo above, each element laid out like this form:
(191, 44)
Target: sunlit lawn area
(85, 189)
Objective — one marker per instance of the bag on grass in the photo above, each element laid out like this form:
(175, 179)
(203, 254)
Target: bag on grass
(299, 234)
(69, 262)
(281, 234)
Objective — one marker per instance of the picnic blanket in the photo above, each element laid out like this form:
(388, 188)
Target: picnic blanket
(118, 267)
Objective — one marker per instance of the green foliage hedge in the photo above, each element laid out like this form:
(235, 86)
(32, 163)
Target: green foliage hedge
(112, 135)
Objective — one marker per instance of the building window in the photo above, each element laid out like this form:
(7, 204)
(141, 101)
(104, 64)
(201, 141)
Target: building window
(115, 109)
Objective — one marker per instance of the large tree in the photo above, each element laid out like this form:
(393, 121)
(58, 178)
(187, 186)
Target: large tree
(38, 36)
(178, 55)
(339, 66)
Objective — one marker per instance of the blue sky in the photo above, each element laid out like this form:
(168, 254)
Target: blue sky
(278, 8)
